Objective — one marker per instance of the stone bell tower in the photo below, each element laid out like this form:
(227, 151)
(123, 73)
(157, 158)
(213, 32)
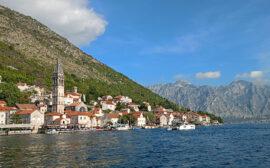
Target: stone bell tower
(58, 88)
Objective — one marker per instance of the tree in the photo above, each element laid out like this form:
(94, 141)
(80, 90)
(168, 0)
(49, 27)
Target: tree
(107, 111)
(11, 94)
(119, 106)
(143, 107)
(129, 118)
(150, 117)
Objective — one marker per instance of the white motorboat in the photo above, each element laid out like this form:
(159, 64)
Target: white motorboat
(186, 126)
(53, 131)
(169, 129)
(124, 127)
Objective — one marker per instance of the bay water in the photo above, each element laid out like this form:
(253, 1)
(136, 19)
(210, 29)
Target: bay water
(235, 145)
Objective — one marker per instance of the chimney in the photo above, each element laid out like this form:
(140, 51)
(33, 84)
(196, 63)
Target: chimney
(74, 89)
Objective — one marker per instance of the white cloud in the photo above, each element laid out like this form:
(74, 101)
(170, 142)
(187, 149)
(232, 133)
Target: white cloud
(251, 75)
(69, 18)
(180, 76)
(208, 75)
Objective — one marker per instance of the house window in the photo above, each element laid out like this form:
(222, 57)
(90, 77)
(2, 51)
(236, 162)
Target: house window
(2, 116)
(81, 118)
(85, 118)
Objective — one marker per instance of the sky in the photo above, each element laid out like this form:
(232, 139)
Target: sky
(210, 42)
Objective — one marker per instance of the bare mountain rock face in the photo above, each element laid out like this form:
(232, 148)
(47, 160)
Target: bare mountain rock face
(240, 101)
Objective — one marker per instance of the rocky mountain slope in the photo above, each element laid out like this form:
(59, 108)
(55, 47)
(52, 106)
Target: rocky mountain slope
(28, 52)
(240, 101)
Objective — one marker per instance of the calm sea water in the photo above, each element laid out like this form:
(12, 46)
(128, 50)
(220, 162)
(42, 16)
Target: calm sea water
(221, 146)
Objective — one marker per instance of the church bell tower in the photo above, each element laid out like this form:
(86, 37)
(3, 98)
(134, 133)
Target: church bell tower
(58, 88)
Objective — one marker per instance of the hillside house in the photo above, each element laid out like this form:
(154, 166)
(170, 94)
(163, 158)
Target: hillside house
(109, 105)
(161, 119)
(141, 120)
(78, 107)
(22, 86)
(80, 119)
(114, 117)
(98, 112)
(3, 103)
(133, 106)
(107, 98)
(149, 108)
(125, 110)
(170, 118)
(122, 99)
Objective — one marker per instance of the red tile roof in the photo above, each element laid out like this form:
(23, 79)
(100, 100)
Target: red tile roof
(58, 119)
(73, 94)
(132, 104)
(22, 112)
(204, 116)
(158, 115)
(118, 97)
(21, 84)
(137, 114)
(53, 114)
(27, 106)
(6, 108)
(113, 115)
(95, 110)
(75, 104)
(109, 102)
(125, 113)
(3, 102)
(81, 113)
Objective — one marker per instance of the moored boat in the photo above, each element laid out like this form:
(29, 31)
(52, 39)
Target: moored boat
(186, 126)
(53, 131)
(123, 127)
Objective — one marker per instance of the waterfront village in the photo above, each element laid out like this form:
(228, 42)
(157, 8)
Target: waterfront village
(57, 109)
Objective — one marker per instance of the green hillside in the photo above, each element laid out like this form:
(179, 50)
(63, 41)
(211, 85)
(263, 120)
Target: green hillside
(28, 52)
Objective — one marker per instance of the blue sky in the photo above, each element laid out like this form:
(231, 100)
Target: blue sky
(209, 42)
(153, 41)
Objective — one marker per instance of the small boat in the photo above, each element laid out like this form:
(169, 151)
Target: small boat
(53, 131)
(123, 127)
(169, 129)
(186, 126)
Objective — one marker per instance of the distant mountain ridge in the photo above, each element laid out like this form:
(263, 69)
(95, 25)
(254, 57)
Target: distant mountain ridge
(240, 101)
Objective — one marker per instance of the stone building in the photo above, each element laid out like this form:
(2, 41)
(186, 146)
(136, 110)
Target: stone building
(58, 89)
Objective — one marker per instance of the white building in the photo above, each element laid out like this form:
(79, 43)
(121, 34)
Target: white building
(161, 119)
(22, 86)
(107, 98)
(33, 117)
(122, 99)
(141, 120)
(98, 112)
(108, 106)
(149, 108)
(3, 115)
(125, 110)
(133, 106)
(170, 118)
(114, 117)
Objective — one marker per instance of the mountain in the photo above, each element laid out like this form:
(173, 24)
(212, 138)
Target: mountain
(28, 52)
(240, 101)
